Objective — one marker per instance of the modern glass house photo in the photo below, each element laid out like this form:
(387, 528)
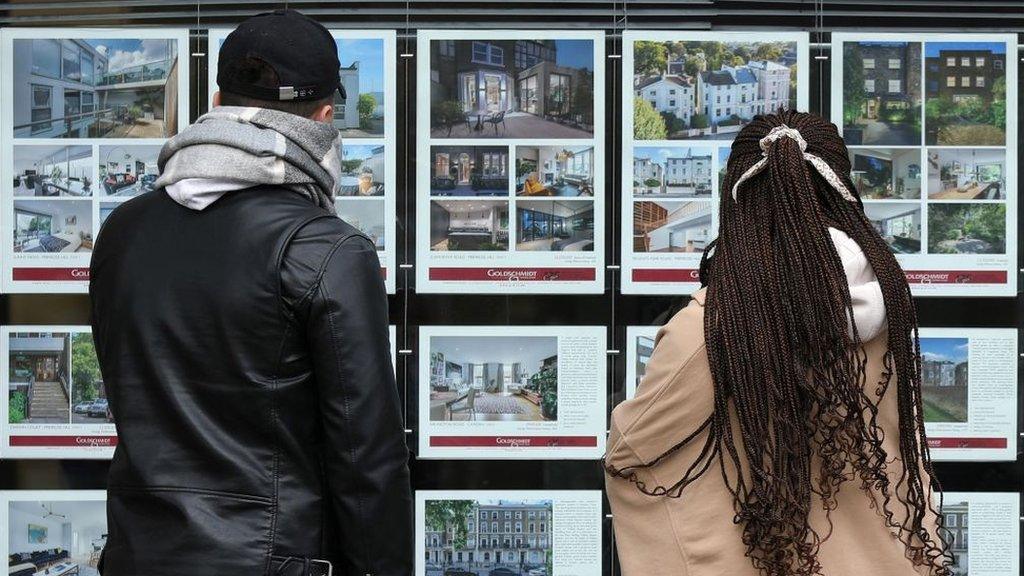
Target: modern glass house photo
(128, 170)
(886, 173)
(362, 170)
(365, 215)
(708, 90)
(966, 174)
(555, 171)
(62, 537)
(470, 171)
(679, 226)
(882, 93)
(46, 226)
(554, 226)
(39, 383)
(494, 378)
(95, 88)
(965, 93)
(53, 170)
(672, 172)
(488, 537)
(469, 225)
(512, 88)
(361, 114)
(898, 223)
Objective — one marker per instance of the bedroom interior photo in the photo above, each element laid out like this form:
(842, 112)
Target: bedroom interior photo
(52, 226)
(56, 537)
(493, 378)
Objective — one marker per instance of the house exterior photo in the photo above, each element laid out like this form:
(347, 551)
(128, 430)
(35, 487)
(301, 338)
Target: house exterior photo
(966, 74)
(670, 93)
(346, 111)
(892, 76)
(689, 172)
(512, 535)
(956, 521)
(39, 369)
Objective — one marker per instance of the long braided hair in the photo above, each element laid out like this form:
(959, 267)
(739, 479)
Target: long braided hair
(789, 374)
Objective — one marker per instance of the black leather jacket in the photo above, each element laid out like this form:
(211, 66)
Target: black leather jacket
(244, 350)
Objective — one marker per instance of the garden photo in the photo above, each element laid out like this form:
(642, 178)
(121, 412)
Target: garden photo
(95, 88)
(882, 93)
(493, 378)
(512, 88)
(944, 379)
(488, 537)
(708, 90)
(965, 93)
(974, 228)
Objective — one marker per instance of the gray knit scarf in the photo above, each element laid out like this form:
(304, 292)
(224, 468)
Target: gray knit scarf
(257, 146)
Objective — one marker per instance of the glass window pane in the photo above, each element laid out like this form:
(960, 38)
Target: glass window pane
(46, 58)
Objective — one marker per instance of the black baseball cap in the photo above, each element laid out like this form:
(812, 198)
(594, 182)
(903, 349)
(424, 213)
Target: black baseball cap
(297, 48)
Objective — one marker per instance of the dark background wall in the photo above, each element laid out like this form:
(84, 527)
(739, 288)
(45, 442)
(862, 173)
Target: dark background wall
(611, 309)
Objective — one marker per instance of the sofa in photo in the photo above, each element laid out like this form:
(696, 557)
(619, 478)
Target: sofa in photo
(555, 171)
(55, 538)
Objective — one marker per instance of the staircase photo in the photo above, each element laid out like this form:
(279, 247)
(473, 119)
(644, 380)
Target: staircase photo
(49, 403)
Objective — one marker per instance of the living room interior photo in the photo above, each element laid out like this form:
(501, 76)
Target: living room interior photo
(555, 226)
(52, 226)
(128, 170)
(966, 174)
(365, 215)
(671, 226)
(886, 173)
(53, 171)
(899, 224)
(493, 378)
(477, 225)
(55, 538)
(555, 171)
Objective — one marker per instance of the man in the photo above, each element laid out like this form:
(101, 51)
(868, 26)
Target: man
(241, 328)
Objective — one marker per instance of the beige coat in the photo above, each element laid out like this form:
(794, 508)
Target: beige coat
(695, 535)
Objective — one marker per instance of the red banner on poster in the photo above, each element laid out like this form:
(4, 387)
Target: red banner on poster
(513, 441)
(967, 442)
(63, 441)
(51, 274)
(666, 275)
(956, 277)
(519, 274)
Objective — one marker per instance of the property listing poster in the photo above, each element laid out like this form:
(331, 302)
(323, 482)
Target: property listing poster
(932, 153)
(511, 392)
(509, 183)
(984, 532)
(528, 532)
(366, 118)
(685, 96)
(969, 389)
(639, 347)
(57, 404)
(56, 532)
(85, 114)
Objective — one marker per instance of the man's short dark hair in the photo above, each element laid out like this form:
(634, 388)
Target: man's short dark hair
(256, 71)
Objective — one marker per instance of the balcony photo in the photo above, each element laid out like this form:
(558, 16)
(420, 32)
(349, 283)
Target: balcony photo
(898, 223)
(672, 172)
(554, 226)
(469, 171)
(365, 215)
(555, 171)
(488, 537)
(362, 170)
(686, 90)
(128, 170)
(965, 93)
(966, 228)
(944, 379)
(38, 378)
(882, 93)
(966, 174)
(469, 225)
(361, 114)
(528, 89)
(50, 226)
(54, 171)
(671, 226)
(55, 537)
(886, 173)
(95, 88)
(493, 378)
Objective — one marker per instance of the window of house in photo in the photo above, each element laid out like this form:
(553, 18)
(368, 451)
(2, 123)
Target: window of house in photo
(447, 48)
(88, 69)
(46, 58)
(869, 63)
(559, 90)
(894, 63)
(494, 164)
(951, 81)
(951, 61)
(894, 85)
(42, 108)
(869, 85)
(979, 82)
(72, 62)
(965, 61)
(965, 81)
(997, 64)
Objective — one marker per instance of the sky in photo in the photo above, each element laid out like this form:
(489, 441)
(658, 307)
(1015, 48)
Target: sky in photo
(952, 349)
(124, 53)
(661, 154)
(369, 52)
(933, 48)
(575, 53)
(723, 157)
(360, 151)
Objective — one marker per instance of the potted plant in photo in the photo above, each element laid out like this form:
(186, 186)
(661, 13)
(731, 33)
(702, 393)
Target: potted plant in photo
(546, 382)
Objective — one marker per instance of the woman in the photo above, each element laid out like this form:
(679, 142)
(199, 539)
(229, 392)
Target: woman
(778, 428)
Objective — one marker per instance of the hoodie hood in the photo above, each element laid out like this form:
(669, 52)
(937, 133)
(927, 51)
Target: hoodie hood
(865, 291)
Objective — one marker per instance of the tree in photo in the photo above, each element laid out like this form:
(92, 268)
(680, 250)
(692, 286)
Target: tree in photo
(445, 515)
(854, 98)
(366, 106)
(768, 51)
(85, 368)
(967, 229)
(649, 58)
(647, 122)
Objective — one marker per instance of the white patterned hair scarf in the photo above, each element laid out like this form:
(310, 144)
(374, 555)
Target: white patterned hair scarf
(820, 165)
